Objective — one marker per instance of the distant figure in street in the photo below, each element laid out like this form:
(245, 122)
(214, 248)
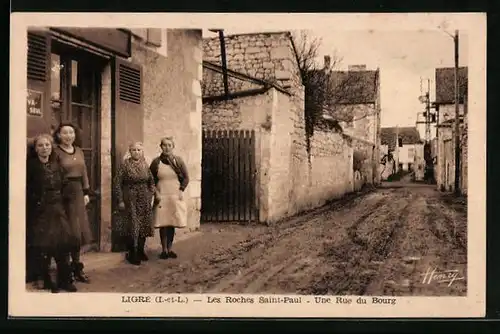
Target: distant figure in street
(48, 230)
(134, 193)
(75, 192)
(171, 179)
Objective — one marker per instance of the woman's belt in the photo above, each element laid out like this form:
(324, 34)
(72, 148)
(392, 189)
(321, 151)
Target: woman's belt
(74, 178)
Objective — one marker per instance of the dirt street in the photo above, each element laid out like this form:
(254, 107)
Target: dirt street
(383, 242)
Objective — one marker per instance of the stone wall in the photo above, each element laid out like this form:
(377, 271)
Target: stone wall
(364, 125)
(331, 167)
(445, 170)
(250, 112)
(266, 56)
(213, 84)
(280, 185)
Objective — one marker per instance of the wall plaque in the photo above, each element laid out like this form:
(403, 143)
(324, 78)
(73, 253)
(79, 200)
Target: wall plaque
(34, 103)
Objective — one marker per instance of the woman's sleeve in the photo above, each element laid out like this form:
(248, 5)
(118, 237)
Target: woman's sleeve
(118, 183)
(85, 177)
(185, 174)
(151, 182)
(153, 168)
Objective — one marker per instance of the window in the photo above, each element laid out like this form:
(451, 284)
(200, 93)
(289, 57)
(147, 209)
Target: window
(400, 142)
(154, 37)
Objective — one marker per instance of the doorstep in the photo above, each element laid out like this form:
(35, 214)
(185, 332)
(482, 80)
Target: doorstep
(105, 260)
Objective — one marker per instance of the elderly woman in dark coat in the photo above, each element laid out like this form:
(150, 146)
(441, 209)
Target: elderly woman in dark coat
(48, 230)
(134, 193)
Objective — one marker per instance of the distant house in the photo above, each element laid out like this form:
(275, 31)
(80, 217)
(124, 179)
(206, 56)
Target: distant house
(445, 148)
(405, 147)
(353, 99)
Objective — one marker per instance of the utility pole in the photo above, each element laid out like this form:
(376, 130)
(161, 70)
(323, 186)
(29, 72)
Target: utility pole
(428, 113)
(396, 149)
(457, 119)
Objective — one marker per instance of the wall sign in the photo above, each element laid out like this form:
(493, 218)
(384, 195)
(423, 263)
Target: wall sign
(34, 103)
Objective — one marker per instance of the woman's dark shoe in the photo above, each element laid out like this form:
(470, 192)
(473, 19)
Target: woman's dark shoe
(163, 255)
(79, 274)
(48, 284)
(68, 287)
(65, 278)
(142, 256)
(172, 255)
(132, 258)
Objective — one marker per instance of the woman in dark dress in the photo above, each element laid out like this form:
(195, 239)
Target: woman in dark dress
(49, 231)
(76, 192)
(134, 193)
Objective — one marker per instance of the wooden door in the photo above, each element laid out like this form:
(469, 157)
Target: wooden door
(128, 121)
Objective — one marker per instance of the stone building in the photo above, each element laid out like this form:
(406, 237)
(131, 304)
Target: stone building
(266, 95)
(445, 152)
(353, 98)
(407, 150)
(118, 86)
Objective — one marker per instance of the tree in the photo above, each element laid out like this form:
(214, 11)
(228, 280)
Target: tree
(330, 95)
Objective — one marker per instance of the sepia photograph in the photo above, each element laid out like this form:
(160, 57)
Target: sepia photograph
(249, 165)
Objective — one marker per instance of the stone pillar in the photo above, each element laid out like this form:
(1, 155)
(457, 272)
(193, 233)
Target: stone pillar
(106, 176)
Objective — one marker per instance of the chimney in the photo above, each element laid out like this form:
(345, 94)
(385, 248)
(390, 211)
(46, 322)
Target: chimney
(327, 61)
(357, 68)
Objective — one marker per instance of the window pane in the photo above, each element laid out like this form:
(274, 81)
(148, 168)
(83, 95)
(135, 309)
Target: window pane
(55, 77)
(56, 72)
(82, 116)
(82, 82)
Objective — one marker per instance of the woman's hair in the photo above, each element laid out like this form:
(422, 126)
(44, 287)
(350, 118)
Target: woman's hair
(142, 159)
(33, 142)
(169, 138)
(130, 146)
(134, 144)
(57, 131)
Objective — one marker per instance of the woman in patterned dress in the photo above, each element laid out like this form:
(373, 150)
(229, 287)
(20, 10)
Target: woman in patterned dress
(134, 193)
(171, 179)
(75, 192)
(49, 231)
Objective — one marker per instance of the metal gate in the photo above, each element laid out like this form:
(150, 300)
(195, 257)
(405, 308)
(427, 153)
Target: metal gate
(228, 186)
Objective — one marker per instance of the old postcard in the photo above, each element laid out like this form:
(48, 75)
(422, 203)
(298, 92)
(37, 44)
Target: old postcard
(247, 165)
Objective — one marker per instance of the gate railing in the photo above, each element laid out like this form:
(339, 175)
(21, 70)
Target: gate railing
(228, 176)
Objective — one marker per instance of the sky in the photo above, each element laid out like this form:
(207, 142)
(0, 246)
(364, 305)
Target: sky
(403, 57)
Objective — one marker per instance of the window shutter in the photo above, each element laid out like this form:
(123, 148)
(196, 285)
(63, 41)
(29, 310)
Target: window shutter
(128, 105)
(38, 78)
(128, 117)
(38, 56)
(154, 37)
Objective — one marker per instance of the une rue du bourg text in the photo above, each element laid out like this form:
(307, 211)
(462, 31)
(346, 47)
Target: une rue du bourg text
(343, 300)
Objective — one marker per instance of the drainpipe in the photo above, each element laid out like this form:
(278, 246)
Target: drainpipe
(223, 59)
(224, 62)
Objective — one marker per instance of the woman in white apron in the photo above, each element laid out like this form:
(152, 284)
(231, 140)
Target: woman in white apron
(170, 211)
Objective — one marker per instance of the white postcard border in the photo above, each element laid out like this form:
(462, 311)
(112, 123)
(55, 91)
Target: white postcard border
(22, 303)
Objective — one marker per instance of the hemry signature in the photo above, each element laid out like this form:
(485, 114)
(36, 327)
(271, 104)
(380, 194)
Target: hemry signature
(445, 276)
